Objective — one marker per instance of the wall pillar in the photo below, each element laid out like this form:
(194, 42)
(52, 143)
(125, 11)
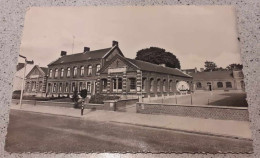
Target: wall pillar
(108, 84)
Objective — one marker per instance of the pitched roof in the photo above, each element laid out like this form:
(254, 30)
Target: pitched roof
(44, 69)
(146, 66)
(212, 75)
(95, 54)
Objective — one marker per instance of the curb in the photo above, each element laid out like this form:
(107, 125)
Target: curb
(186, 131)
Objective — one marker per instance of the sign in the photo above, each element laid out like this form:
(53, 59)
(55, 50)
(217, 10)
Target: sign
(117, 70)
(182, 86)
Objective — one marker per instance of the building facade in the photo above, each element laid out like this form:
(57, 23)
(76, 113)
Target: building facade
(219, 80)
(35, 81)
(78, 71)
(108, 72)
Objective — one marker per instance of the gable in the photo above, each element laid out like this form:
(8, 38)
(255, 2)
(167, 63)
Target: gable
(115, 51)
(117, 64)
(35, 73)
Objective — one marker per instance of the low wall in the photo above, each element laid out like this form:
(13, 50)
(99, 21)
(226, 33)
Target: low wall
(118, 105)
(60, 104)
(200, 111)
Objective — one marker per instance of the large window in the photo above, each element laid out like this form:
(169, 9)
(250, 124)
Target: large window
(158, 85)
(75, 71)
(89, 70)
(50, 73)
(60, 87)
(89, 87)
(67, 87)
(97, 68)
(80, 86)
(151, 84)
(73, 87)
(220, 85)
(104, 84)
(143, 83)
(120, 83)
(61, 72)
(56, 73)
(82, 71)
(54, 87)
(198, 84)
(132, 83)
(170, 86)
(164, 85)
(68, 72)
(228, 85)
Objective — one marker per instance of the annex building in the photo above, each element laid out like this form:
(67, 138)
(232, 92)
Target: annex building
(107, 71)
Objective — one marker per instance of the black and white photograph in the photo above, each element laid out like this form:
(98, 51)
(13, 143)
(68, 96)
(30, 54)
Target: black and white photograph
(129, 79)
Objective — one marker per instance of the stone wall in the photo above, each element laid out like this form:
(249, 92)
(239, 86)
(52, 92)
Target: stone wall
(200, 111)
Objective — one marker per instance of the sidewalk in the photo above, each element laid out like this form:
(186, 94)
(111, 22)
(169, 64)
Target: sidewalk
(226, 128)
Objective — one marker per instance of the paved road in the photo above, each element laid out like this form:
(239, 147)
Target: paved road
(35, 132)
(219, 98)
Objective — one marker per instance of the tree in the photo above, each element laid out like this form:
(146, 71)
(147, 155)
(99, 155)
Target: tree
(234, 66)
(157, 55)
(210, 66)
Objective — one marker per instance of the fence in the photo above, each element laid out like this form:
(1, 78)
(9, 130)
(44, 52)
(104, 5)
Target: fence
(200, 111)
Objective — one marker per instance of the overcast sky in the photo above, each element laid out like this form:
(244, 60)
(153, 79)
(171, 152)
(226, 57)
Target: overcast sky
(193, 33)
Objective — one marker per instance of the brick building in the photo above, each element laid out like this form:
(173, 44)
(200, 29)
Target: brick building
(78, 71)
(35, 81)
(108, 72)
(219, 80)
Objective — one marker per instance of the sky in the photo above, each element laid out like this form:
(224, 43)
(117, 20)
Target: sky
(193, 33)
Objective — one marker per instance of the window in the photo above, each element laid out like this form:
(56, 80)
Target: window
(89, 70)
(132, 83)
(198, 85)
(88, 87)
(54, 87)
(50, 73)
(220, 84)
(151, 84)
(75, 71)
(80, 86)
(158, 85)
(56, 73)
(61, 72)
(104, 84)
(73, 87)
(170, 85)
(49, 87)
(228, 85)
(120, 83)
(98, 68)
(60, 87)
(67, 87)
(114, 83)
(68, 72)
(82, 71)
(164, 85)
(143, 83)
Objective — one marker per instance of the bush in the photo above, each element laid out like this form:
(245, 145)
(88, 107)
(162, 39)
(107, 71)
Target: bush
(99, 99)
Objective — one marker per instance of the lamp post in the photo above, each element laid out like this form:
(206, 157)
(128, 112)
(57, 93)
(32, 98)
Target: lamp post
(26, 62)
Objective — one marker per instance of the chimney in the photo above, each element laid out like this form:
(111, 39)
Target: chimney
(63, 53)
(201, 69)
(114, 43)
(163, 65)
(86, 49)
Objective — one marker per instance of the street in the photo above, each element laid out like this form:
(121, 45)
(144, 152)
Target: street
(35, 132)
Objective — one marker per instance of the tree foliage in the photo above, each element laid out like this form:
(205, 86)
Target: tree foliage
(210, 66)
(234, 66)
(157, 55)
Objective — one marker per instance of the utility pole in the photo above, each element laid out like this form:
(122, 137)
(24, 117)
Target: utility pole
(26, 62)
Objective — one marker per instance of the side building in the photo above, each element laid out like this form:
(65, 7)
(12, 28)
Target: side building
(219, 80)
(35, 81)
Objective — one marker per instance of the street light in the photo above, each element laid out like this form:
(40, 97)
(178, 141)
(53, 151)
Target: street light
(26, 62)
